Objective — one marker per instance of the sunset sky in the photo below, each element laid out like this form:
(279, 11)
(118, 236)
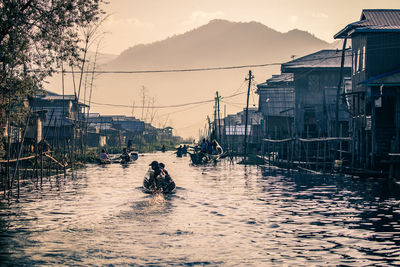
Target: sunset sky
(136, 21)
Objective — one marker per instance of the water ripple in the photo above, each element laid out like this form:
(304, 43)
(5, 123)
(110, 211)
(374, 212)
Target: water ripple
(225, 214)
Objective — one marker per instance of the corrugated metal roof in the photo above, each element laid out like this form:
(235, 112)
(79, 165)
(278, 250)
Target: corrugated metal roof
(373, 20)
(276, 80)
(58, 97)
(380, 17)
(320, 59)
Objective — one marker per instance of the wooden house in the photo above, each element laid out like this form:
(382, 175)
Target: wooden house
(315, 78)
(64, 117)
(276, 104)
(234, 129)
(375, 42)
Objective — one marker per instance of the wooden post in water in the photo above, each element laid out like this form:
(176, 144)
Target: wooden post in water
(219, 120)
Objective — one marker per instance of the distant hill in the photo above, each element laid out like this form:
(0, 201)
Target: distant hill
(218, 43)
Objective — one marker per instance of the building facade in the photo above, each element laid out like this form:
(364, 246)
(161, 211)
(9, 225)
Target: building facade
(316, 78)
(375, 42)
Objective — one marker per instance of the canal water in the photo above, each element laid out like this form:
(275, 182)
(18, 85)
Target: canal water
(222, 215)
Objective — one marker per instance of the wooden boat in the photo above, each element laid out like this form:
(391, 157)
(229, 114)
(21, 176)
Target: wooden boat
(133, 157)
(198, 157)
(164, 185)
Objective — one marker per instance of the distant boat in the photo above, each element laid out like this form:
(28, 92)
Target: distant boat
(133, 157)
(198, 157)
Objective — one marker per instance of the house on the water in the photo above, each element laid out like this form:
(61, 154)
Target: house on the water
(375, 93)
(234, 129)
(316, 77)
(63, 117)
(276, 104)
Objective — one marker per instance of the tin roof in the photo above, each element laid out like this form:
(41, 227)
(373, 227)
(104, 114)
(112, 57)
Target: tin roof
(321, 59)
(373, 20)
(277, 80)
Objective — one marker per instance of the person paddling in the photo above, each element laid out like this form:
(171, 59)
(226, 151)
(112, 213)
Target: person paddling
(104, 156)
(125, 156)
(153, 172)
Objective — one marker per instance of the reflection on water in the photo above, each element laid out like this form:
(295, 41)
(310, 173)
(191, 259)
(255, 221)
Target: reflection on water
(220, 215)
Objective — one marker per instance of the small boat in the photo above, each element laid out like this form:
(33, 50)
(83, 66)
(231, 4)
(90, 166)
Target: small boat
(164, 185)
(133, 156)
(198, 157)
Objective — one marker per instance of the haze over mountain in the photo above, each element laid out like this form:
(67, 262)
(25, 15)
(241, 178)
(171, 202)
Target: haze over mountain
(216, 44)
(220, 42)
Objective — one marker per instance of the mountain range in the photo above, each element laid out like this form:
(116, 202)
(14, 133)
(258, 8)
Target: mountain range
(219, 43)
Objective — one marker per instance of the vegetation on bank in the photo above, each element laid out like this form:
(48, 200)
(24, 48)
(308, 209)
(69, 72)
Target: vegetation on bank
(37, 36)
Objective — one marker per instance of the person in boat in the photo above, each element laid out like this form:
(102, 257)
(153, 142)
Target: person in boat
(209, 147)
(125, 156)
(162, 169)
(184, 149)
(104, 156)
(203, 146)
(153, 172)
(179, 151)
(164, 180)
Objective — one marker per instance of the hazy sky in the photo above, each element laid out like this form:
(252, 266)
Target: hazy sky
(143, 21)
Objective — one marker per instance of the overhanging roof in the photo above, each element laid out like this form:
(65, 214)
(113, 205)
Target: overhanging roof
(282, 81)
(373, 20)
(324, 59)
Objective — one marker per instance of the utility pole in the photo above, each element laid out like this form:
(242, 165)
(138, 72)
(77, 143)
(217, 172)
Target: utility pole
(143, 99)
(219, 120)
(339, 88)
(247, 114)
(215, 120)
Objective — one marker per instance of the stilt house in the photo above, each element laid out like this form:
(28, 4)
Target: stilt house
(375, 41)
(316, 78)
(276, 104)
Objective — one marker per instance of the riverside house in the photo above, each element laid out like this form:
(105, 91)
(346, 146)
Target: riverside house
(276, 104)
(316, 77)
(375, 93)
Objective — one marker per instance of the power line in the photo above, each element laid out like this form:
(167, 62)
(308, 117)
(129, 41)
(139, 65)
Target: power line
(168, 106)
(177, 70)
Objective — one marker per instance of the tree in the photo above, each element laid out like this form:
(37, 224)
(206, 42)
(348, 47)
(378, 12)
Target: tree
(35, 36)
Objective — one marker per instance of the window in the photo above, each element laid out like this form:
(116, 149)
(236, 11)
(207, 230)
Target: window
(364, 53)
(359, 58)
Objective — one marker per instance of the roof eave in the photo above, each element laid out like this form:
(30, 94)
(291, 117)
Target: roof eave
(343, 33)
(361, 30)
(316, 68)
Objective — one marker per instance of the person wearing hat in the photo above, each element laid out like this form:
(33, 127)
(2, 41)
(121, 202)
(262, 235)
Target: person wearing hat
(153, 172)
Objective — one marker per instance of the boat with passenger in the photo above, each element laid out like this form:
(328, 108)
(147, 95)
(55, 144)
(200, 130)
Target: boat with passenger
(202, 155)
(158, 180)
